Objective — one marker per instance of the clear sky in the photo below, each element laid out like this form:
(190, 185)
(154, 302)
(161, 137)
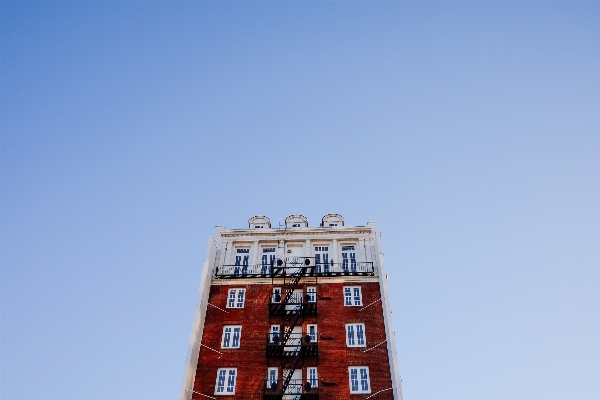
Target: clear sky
(469, 130)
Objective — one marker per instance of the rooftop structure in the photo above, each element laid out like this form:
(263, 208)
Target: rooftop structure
(293, 313)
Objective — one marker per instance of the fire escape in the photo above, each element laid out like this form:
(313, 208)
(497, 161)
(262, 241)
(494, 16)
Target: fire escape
(289, 308)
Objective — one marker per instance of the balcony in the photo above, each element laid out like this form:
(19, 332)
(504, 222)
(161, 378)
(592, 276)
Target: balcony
(296, 304)
(296, 344)
(296, 390)
(291, 267)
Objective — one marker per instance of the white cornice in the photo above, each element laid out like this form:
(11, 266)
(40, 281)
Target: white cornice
(276, 233)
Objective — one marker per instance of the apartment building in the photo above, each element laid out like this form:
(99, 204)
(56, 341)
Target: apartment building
(293, 312)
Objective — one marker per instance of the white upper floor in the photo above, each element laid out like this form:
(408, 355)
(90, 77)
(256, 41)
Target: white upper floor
(332, 248)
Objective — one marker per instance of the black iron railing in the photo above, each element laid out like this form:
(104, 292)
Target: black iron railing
(291, 267)
(297, 389)
(296, 343)
(345, 269)
(304, 304)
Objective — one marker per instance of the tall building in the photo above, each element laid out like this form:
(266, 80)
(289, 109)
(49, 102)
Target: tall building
(293, 312)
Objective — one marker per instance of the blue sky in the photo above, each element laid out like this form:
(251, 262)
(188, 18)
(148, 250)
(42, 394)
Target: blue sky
(469, 130)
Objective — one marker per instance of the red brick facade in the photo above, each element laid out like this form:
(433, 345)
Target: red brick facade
(334, 355)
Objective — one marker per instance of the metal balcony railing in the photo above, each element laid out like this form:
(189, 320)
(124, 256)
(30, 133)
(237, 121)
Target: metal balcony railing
(297, 389)
(302, 303)
(291, 266)
(345, 269)
(296, 344)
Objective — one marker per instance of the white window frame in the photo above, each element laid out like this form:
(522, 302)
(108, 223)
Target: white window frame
(270, 378)
(241, 257)
(359, 379)
(236, 298)
(268, 254)
(314, 382)
(320, 251)
(274, 329)
(231, 337)
(226, 382)
(352, 339)
(316, 336)
(352, 298)
(312, 293)
(348, 253)
(275, 290)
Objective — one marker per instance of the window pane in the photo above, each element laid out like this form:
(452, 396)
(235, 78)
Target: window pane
(353, 380)
(231, 298)
(357, 299)
(364, 380)
(221, 381)
(240, 302)
(312, 376)
(226, 337)
(348, 296)
(360, 335)
(350, 329)
(236, 337)
(231, 381)
(312, 294)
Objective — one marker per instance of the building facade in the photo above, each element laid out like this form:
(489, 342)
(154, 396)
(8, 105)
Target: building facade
(293, 312)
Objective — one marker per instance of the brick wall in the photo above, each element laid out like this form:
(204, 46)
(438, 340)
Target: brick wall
(334, 356)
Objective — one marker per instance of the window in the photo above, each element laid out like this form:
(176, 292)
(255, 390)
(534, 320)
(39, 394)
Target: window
(322, 258)
(268, 259)
(274, 335)
(295, 225)
(355, 335)
(272, 374)
(226, 381)
(231, 336)
(312, 294)
(276, 295)
(313, 377)
(348, 254)
(332, 224)
(352, 296)
(259, 226)
(311, 330)
(359, 379)
(236, 298)
(242, 257)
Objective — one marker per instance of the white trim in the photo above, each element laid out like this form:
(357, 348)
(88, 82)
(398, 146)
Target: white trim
(316, 338)
(358, 376)
(352, 299)
(351, 280)
(390, 334)
(226, 382)
(271, 332)
(236, 297)
(276, 369)
(275, 290)
(308, 291)
(198, 326)
(201, 394)
(308, 369)
(232, 333)
(355, 334)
